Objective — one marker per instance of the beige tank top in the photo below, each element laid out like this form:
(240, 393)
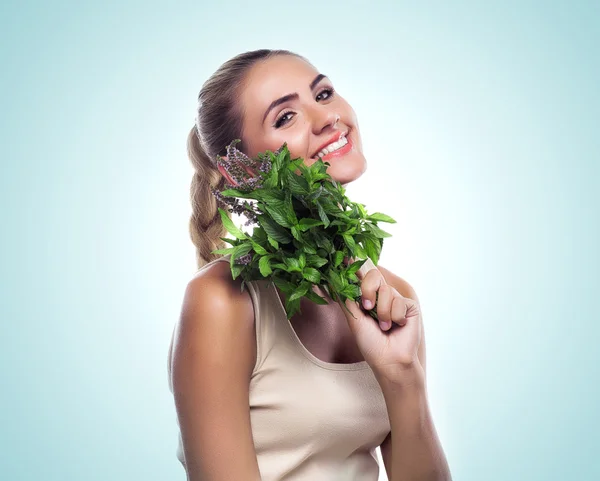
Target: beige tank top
(311, 419)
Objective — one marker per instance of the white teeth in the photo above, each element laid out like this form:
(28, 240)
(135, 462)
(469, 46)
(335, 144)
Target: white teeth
(333, 146)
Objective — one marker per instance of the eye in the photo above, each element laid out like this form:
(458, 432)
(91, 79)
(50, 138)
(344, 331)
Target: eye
(329, 91)
(280, 120)
(286, 116)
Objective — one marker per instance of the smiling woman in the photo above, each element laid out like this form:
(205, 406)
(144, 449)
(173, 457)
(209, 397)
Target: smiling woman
(243, 376)
(286, 99)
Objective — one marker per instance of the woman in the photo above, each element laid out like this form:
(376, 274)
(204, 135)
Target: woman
(261, 397)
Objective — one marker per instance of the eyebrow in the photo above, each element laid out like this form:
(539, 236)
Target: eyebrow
(293, 96)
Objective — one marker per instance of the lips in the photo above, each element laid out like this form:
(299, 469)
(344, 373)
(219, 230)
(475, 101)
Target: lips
(333, 139)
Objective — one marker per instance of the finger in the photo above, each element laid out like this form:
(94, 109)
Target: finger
(385, 296)
(404, 309)
(369, 286)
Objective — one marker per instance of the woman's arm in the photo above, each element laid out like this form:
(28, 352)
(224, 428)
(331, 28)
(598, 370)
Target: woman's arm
(416, 452)
(213, 357)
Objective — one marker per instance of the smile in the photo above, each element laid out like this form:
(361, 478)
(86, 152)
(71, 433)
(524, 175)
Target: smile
(335, 149)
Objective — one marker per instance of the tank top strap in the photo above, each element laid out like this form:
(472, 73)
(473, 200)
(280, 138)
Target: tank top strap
(254, 289)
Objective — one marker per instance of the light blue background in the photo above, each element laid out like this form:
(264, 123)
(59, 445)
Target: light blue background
(480, 123)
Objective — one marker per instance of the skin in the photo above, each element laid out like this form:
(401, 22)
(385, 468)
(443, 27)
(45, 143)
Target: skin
(305, 124)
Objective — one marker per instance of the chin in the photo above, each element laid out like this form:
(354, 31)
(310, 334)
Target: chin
(347, 170)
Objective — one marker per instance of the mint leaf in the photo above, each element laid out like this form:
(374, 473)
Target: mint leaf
(274, 230)
(264, 265)
(323, 215)
(308, 223)
(313, 275)
(230, 226)
(378, 216)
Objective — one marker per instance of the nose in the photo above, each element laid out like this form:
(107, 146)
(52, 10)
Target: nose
(324, 118)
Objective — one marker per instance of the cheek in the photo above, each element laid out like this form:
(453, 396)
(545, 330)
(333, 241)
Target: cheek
(296, 139)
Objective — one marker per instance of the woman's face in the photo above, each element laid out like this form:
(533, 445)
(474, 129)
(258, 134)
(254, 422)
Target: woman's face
(284, 99)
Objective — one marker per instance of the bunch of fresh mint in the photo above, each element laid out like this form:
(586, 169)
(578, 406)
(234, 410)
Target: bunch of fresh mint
(306, 227)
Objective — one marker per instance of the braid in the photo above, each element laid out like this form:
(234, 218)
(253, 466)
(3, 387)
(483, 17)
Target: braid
(206, 226)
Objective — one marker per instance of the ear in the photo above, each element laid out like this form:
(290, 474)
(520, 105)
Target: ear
(223, 161)
(224, 172)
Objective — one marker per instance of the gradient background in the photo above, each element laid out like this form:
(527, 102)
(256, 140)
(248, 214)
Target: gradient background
(480, 123)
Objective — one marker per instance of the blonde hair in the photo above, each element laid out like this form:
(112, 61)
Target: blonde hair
(218, 122)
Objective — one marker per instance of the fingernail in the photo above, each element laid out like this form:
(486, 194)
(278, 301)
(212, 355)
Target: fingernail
(368, 304)
(386, 325)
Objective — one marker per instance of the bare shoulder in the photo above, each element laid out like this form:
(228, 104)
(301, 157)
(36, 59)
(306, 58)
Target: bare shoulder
(400, 284)
(214, 308)
(213, 355)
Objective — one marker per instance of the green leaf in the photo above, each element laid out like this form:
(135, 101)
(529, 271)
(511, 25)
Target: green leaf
(241, 194)
(312, 275)
(316, 298)
(309, 223)
(372, 250)
(335, 280)
(355, 266)
(322, 214)
(302, 261)
(288, 207)
(279, 214)
(236, 270)
(352, 291)
(362, 211)
(306, 173)
(273, 242)
(240, 251)
(292, 307)
(293, 264)
(258, 248)
(281, 157)
(377, 231)
(296, 233)
(274, 230)
(359, 252)
(272, 196)
(284, 285)
(300, 291)
(323, 242)
(349, 241)
(297, 184)
(316, 261)
(230, 226)
(226, 251)
(233, 242)
(378, 216)
(264, 265)
(338, 257)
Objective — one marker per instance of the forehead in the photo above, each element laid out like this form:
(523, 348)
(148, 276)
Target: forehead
(273, 78)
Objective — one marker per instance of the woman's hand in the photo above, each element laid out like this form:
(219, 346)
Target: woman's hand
(390, 346)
